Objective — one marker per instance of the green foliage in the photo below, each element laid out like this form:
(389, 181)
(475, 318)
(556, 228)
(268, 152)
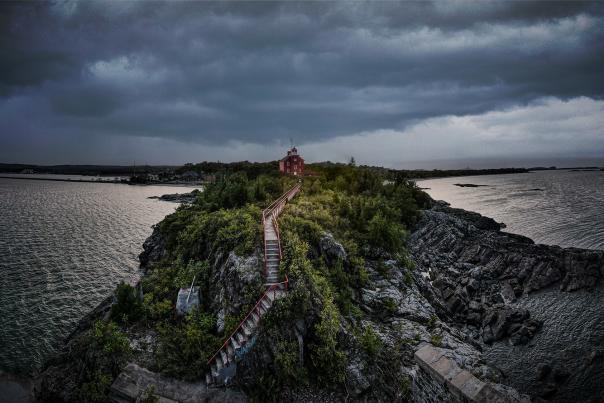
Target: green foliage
(436, 340)
(198, 270)
(185, 347)
(408, 278)
(96, 390)
(390, 306)
(287, 362)
(221, 231)
(149, 396)
(128, 307)
(371, 342)
(432, 321)
(406, 389)
(325, 356)
(382, 233)
(100, 353)
(109, 347)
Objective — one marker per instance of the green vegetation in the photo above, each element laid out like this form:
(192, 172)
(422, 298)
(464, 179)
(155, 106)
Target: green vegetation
(436, 340)
(100, 354)
(371, 342)
(128, 307)
(367, 215)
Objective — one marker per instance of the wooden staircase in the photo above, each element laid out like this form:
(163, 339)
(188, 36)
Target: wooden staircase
(242, 339)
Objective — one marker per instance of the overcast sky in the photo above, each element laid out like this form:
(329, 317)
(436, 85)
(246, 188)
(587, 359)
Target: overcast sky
(442, 84)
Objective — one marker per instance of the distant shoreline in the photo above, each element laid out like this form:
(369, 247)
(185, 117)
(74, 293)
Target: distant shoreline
(64, 180)
(114, 182)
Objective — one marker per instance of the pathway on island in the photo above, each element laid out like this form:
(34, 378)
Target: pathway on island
(243, 338)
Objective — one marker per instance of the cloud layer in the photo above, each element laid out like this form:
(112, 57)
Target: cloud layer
(112, 81)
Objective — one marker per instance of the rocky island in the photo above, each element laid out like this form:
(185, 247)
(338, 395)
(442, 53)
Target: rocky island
(391, 297)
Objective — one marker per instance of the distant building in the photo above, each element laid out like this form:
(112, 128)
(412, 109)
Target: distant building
(190, 176)
(292, 163)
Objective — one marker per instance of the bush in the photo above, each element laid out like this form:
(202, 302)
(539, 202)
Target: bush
(436, 340)
(128, 307)
(371, 342)
(184, 348)
(100, 355)
(95, 390)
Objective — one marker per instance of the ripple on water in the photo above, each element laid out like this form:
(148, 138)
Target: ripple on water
(63, 247)
(569, 211)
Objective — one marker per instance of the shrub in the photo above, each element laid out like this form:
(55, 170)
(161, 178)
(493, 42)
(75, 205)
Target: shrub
(432, 321)
(371, 342)
(390, 306)
(149, 396)
(185, 347)
(95, 390)
(436, 340)
(128, 307)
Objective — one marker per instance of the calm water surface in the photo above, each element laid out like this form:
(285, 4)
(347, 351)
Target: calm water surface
(63, 248)
(563, 208)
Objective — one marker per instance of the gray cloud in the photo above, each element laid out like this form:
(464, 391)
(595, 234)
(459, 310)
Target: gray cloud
(80, 74)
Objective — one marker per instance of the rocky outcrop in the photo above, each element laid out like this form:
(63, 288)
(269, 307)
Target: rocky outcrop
(400, 319)
(186, 198)
(331, 249)
(476, 271)
(235, 282)
(154, 248)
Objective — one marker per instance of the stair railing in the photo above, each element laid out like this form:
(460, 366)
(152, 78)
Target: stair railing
(277, 204)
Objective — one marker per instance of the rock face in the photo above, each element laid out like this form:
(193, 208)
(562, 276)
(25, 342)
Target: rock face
(397, 314)
(233, 281)
(331, 249)
(154, 249)
(477, 271)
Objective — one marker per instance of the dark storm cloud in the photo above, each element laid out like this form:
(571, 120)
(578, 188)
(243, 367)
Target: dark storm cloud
(211, 73)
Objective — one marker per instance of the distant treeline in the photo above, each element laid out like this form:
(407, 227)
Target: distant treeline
(252, 169)
(256, 169)
(425, 174)
(104, 170)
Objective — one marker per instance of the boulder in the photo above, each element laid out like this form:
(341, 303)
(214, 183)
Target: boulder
(331, 249)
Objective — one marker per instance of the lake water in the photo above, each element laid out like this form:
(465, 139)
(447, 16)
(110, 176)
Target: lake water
(564, 208)
(567, 210)
(63, 248)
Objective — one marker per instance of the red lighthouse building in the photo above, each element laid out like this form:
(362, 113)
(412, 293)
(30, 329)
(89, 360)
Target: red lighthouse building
(292, 163)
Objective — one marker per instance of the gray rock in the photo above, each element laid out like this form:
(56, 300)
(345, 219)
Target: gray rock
(331, 249)
(476, 268)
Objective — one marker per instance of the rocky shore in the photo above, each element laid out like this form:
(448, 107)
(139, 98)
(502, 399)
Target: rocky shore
(477, 271)
(477, 274)
(178, 197)
(460, 297)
